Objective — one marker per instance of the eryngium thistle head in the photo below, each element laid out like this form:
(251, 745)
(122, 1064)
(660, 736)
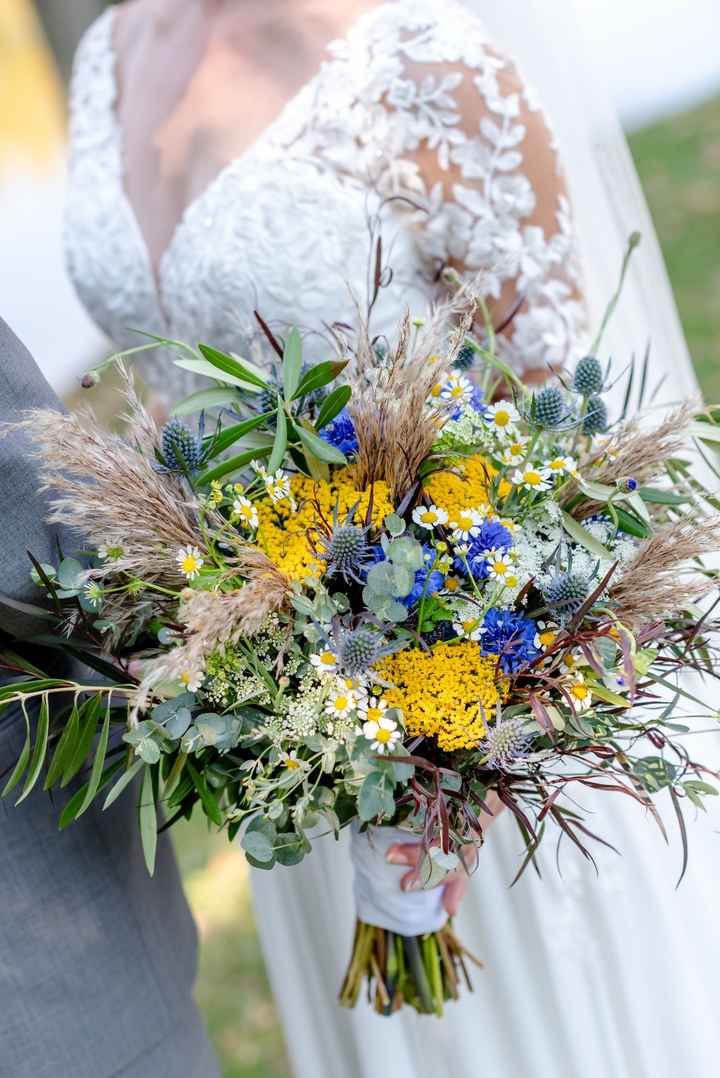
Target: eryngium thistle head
(346, 551)
(359, 650)
(596, 417)
(505, 742)
(181, 449)
(465, 359)
(566, 593)
(550, 407)
(588, 378)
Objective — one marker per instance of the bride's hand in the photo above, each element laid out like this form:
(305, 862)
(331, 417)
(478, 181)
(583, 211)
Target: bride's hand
(455, 884)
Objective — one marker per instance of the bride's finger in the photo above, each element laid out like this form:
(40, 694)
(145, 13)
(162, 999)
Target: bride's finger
(404, 853)
(454, 893)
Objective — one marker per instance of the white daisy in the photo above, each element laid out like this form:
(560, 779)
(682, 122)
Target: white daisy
(290, 761)
(277, 485)
(341, 703)
(499, 565)
(429, 516)
(383, 733)
(579, 693)
(532, 477)
(191, 680)
(503, 416)
(458, 389)
(372, 708)
(190, 561)
(466, 524)
(514, 451)
(324, 661)
(246, 512)
(560, 465)
(110, 553)
(469, 628)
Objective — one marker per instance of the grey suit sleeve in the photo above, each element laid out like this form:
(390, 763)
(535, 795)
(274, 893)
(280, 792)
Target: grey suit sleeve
(22, 508)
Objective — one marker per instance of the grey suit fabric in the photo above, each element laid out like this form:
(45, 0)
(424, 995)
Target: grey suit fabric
(97, 960)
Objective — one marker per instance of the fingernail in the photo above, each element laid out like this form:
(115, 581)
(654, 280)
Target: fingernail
(394, 857)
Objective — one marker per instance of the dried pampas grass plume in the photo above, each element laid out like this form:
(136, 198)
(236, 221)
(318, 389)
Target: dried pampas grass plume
(661, 576)
(107, 489)
(394, 425)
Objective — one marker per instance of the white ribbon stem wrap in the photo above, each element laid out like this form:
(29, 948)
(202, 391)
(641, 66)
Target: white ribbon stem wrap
(378, 897)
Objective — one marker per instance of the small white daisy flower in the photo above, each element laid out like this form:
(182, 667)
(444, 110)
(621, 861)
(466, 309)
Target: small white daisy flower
(246, 512)
(436, 391)
(458, 389)
(500, 566)
(110, 553)
(372, 708)
(429, 516)
(514, 451)
(190, 561)
(532, 477)
(579, 693)
(290, 761)
(503, 415)
(191, 680)
(277, 485)
(94, 593)
(383, 733)
(324, 661)
(469, 628)
(466, 524)
(561, 465)
(258, 468)
(341, 703)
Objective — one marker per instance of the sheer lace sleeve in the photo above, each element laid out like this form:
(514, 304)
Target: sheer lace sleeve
(447, 121)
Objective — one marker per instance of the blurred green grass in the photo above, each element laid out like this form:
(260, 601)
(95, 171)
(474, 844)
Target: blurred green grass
(679, 165)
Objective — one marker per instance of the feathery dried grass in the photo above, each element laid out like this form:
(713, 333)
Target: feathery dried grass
(661, 577)
(214, 619)
(395, 428)
(107, 488)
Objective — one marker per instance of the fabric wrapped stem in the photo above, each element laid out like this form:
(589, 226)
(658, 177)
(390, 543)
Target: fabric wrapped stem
(422, 966)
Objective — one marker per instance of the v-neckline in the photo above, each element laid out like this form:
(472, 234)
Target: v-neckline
(156, 271)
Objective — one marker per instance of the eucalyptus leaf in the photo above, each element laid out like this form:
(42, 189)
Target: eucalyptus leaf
(147, 813)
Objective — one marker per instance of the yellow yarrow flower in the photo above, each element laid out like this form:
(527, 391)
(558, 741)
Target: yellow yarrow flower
(283, 529)
(445, 693)
(467, 485)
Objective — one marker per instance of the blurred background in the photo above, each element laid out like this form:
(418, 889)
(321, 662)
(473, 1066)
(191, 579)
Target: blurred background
(661, 64)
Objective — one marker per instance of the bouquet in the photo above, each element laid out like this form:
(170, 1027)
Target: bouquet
(372, 591)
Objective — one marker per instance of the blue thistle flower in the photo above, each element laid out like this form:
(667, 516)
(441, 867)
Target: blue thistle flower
(492, 536)
(340, 432)
(512, 637)
(505, 742)
(465, 359)
(182, 451)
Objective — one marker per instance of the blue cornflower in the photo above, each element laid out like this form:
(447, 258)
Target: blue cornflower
(492, 536)
(512, 637)
(340, 432)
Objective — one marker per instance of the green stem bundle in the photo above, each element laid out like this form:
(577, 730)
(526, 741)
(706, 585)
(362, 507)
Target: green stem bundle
(423, 972)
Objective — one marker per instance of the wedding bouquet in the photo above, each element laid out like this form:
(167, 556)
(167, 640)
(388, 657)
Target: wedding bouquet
(373, 605)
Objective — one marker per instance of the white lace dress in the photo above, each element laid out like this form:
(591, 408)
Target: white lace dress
(584, 978)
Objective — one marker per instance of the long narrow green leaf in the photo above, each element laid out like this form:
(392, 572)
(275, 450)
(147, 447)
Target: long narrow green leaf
(39, 752)
(23, 759)
(72, 809)
(123, 782)
(320, 448)
(98, 764)
(64, 749)
(217, 397)
(222, 361)
(281, 441)
(209, 801)
(88, 725)
(234, 464)
(147, 813)
(319, 376)
(332, 405)
(230, 435)
(581, 535)
(292, 363)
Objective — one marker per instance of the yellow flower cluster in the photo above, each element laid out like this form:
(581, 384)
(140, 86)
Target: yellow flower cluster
(465, 487)
(446, 693)
(283, 531)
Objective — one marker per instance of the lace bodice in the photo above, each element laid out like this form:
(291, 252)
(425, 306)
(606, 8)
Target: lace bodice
(413, 120)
